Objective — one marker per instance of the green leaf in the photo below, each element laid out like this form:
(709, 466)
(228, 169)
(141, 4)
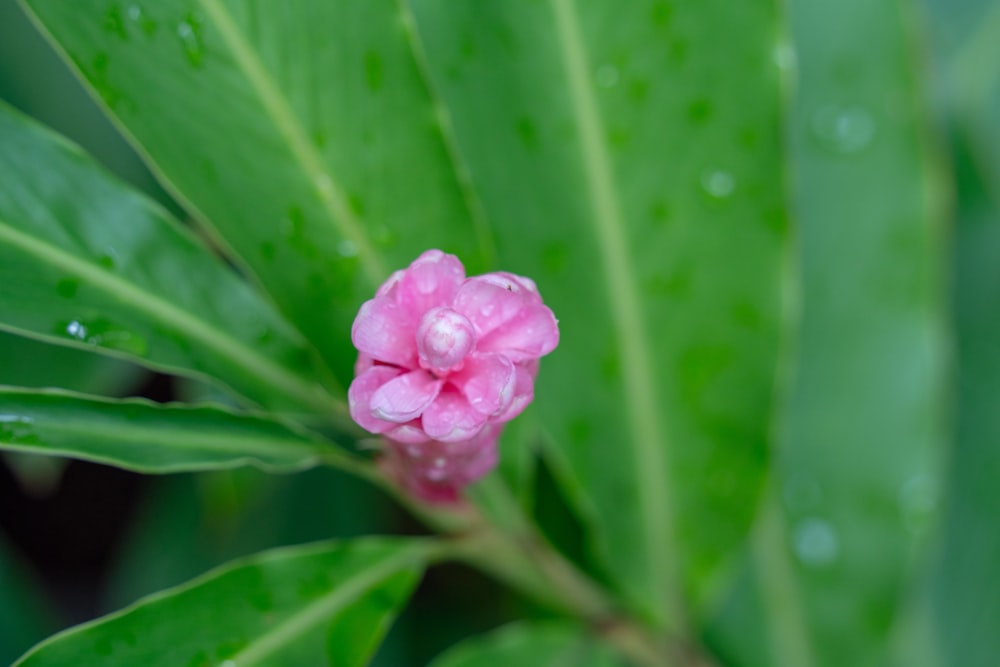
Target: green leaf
(284, 607)
(86, 261)
(865, 417)
(551, 644)
(632, 168)
(188, 523)
(966, 38)
(965, 598)
(148, 437)
(25, 362)
(303, 133)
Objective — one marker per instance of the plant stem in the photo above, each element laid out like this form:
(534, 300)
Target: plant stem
(514, 552)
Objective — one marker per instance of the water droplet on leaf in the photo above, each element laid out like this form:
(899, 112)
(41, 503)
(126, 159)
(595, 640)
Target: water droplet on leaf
(718, 183)
(815, 542)
(76, 330)
(843, 130)
(189, 32)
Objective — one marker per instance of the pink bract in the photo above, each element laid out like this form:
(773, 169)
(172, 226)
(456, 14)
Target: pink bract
(444, 362)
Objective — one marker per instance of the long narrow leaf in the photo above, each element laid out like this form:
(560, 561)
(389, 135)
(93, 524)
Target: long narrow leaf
(149, 437)
(864, 425)
(633, 169)
(86, 261)
(287, 607)
(302, 131)
(549, 644)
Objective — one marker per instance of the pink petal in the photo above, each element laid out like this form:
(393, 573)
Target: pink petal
(483, 461)
(489, 301)
(524, 392)
(386, 332)
(450, 418)
(388, 288)
(404, 398)
(532, 333)
(363, 363)
(431, 280)
(526, 284)
(487, 381)
(444, 338)
(359, 397)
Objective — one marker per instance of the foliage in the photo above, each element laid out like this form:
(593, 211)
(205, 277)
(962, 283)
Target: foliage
(768, 233)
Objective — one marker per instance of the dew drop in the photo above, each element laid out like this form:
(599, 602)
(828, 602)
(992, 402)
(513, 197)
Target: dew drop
(189, 31)
(347, 248)
(76, 330)
(843, 130)
(14, 419)
(815, 542)
(718, 183)
(606, 76)
(146, 24)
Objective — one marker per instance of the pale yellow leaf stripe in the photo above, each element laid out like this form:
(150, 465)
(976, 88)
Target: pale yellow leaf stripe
(320, 611)
(160, 310)
(646, 429)
(288, 124)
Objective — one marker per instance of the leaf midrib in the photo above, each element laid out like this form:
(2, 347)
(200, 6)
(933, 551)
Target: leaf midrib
(180, 439)
(320, 177)
(322, 609)
(160, 310)
(647, 431)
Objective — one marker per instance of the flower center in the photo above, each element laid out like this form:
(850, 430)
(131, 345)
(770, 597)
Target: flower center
(444, 338)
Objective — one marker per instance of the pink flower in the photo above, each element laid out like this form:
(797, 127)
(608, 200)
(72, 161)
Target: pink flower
(448, 359)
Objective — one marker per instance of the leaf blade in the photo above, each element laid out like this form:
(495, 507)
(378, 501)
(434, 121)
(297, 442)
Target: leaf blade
(300, 212)
(863, 425)
(263, 593)
(706, 275)
(147, 437)
(105, 267)
(543, 644)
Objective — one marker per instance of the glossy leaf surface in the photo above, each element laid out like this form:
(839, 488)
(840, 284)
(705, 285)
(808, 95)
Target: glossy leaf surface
(964, 602)
(865, 418)
(148, 437)
(320, 159)
(85, 261)
(25, 362)
(285, 607)
(539, 645)
(633, 170)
